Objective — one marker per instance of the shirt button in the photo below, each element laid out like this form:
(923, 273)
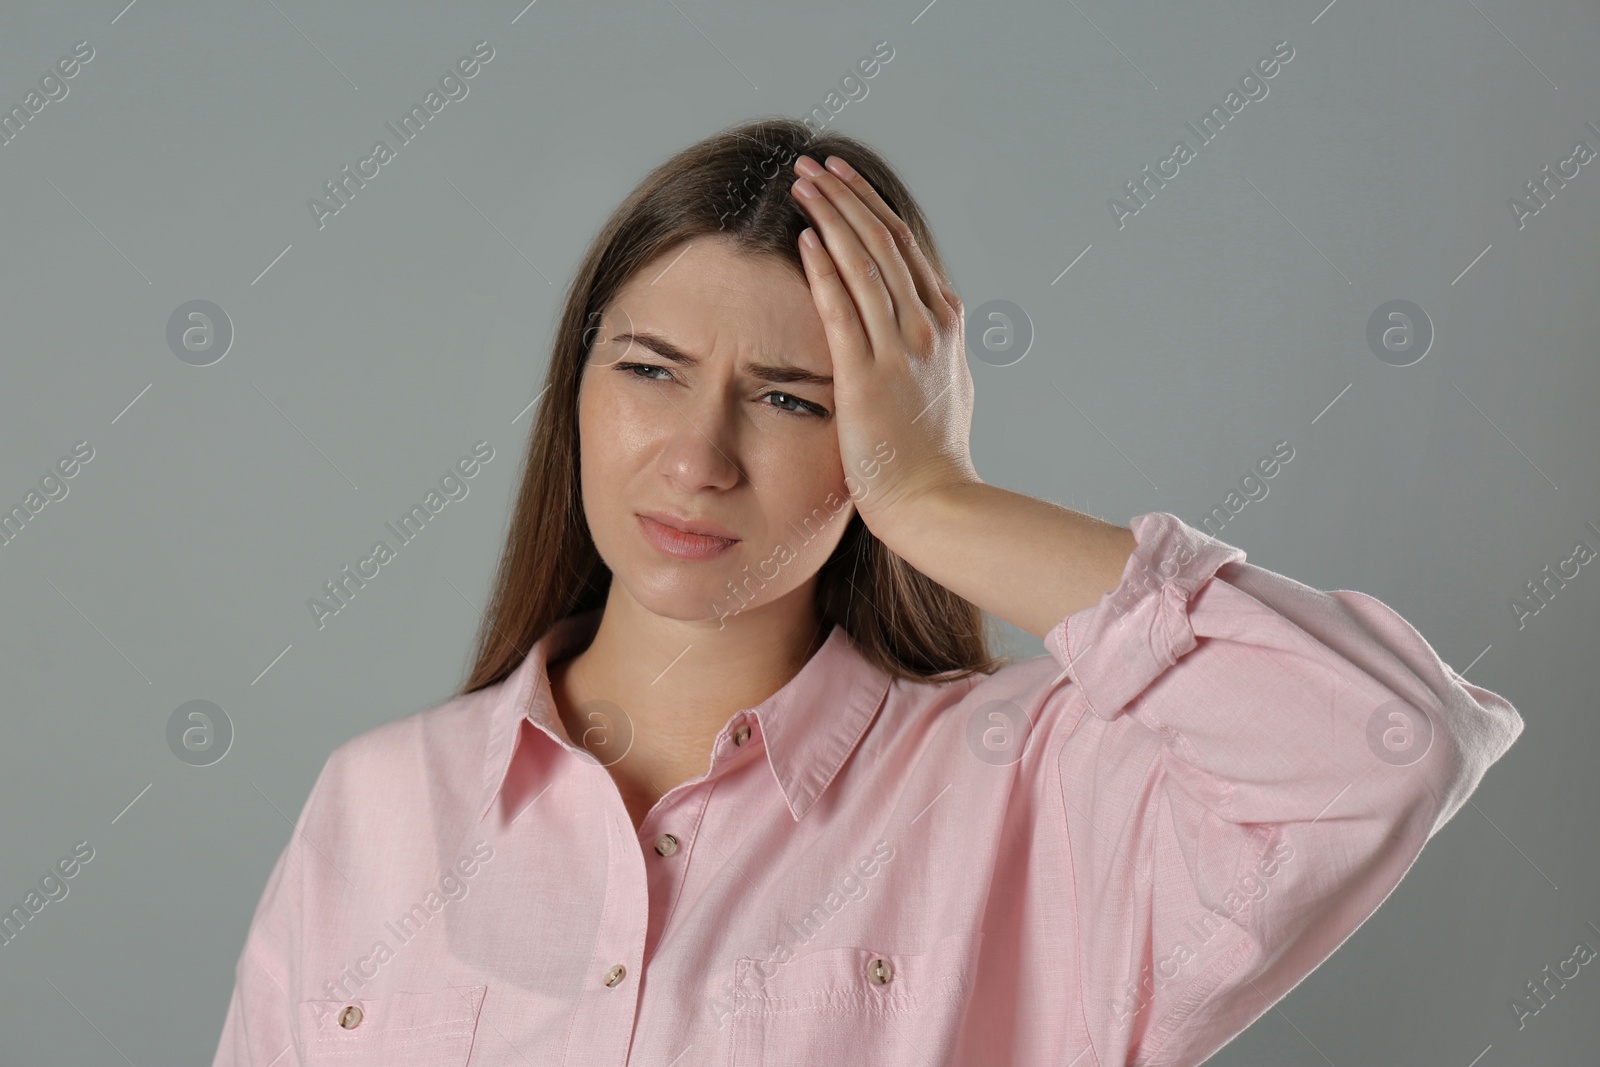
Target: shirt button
(879, 972)
(615, 975)
(666, 844)
(742, 734)
(350, 1018)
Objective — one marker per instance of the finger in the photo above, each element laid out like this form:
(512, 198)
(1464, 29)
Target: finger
(931, 288)
(847, 339)
(863, 277)
(878, 238)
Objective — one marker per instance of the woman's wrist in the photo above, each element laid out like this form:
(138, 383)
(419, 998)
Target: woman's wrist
(1024, 560)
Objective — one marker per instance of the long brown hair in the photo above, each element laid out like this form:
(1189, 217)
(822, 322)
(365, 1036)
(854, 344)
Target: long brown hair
(735, 184)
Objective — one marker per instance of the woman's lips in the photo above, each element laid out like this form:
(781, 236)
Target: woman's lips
(679, 545)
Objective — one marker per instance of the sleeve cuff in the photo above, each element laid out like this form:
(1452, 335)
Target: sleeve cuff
(1114, 649)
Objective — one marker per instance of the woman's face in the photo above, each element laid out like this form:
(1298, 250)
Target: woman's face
(726, 436)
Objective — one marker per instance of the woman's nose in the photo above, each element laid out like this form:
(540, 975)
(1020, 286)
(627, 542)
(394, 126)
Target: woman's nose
(701, 449)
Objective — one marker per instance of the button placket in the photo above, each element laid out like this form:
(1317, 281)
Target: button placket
(667, 870)
(608, 1007)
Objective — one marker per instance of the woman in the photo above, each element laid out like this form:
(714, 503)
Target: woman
(736, 780)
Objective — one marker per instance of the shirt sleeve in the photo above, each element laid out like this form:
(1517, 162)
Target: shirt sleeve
(1255, 767)
(258, 1029)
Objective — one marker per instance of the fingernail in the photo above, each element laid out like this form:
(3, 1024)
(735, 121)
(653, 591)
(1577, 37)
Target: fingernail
(841, 168)
(807, 166)
(808, 237)
(805, 189)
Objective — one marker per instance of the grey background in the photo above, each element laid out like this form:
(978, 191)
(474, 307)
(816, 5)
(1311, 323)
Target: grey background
(1230, 314)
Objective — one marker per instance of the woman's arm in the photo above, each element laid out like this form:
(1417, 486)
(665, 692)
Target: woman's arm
(1254, 764)
(1251, 768)
(1028, 561)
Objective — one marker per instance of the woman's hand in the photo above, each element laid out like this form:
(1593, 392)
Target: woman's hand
(900, 377)
(901, 385)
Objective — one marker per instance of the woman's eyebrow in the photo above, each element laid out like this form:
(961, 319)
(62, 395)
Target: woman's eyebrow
(766, 372)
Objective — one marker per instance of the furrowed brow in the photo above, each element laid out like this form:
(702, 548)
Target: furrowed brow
(778, 373)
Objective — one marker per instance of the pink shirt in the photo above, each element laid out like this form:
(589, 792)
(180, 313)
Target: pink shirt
(1120, 853)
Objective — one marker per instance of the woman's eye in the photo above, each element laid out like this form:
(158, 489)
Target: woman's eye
(629, 368)
(801, 408)
(804, 407)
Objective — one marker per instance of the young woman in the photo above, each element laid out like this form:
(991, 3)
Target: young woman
(736, 779)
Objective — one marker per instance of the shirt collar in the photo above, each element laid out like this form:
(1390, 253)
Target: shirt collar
(809, 727)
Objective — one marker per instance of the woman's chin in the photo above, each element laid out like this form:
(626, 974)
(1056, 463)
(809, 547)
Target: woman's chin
(703, 600)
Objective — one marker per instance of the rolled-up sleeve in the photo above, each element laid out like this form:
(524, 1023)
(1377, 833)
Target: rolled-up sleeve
(1259, 765)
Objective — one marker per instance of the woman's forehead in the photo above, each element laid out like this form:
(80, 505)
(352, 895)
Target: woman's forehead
(711, 261)
(712, 301)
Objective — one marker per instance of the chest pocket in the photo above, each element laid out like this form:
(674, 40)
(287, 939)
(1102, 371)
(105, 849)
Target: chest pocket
(851, 1005)
(398, 1030)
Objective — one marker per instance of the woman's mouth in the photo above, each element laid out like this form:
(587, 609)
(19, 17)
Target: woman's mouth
(678, 544)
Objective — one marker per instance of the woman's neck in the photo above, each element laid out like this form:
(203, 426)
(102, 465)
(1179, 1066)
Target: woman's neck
(674, 685)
